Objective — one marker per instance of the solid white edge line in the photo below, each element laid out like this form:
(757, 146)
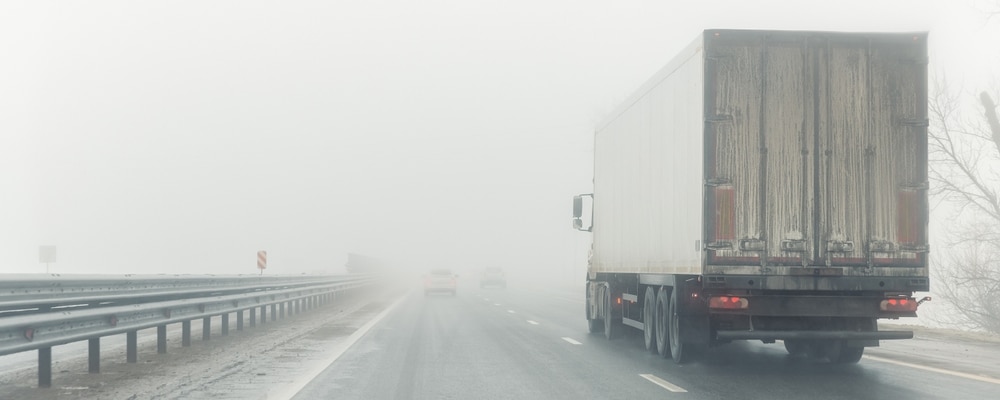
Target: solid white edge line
(340, 349)
(571, 341)
(532, 322)
(937, 370)
(662, 383)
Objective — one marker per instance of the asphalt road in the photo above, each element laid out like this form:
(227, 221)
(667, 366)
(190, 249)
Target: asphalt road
(530, 344)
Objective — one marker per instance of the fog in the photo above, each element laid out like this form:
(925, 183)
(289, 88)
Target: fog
(184, 136)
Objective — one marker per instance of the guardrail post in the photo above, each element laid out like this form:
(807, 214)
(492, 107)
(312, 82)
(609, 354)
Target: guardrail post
(274, 313)
(263, 314)
(239, 320)
(161, 339)
(206, 328)
(225, 324)
(94, 355)
(186, 333)
(132, 347)
(45, 367)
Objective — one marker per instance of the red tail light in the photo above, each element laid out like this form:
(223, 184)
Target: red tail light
(903, 304)
(729, 303)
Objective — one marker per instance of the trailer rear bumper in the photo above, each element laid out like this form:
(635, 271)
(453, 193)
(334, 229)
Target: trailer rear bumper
(812, 335)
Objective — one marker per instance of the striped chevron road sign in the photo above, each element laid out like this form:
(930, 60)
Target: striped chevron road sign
(261, 260)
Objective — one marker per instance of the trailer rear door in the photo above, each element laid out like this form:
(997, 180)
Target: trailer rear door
(816, 148)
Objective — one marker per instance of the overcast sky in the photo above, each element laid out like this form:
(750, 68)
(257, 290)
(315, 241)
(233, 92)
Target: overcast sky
(184, 136)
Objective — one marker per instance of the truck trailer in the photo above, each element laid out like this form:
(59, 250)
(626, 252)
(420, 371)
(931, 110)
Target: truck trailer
(764, 185)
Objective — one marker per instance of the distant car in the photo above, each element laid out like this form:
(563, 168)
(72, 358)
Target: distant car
(441, 280)
(493, 277)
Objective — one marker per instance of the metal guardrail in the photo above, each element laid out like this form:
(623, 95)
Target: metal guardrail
(26, 291)
(37, 313)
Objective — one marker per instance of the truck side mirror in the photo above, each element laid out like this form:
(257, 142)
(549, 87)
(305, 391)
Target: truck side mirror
(578, 212)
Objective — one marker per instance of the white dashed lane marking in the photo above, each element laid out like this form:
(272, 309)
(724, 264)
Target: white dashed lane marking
(532, 322)
(571, 341)
(662, 383)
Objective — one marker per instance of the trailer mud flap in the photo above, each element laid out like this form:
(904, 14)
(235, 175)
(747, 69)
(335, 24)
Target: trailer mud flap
(695, 329)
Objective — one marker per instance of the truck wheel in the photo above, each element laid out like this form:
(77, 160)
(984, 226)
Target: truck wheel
(649, 319)
(680, 351)
(660, 317)
(796, 347)
(612, 328)
(848, 355)
(593, 325)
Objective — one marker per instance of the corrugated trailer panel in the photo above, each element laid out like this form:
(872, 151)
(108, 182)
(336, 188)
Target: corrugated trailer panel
(777, 148)
(875, 178)
(761, 138)
(647, 177)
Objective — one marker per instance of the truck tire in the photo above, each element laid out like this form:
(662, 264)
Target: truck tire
(681, 351)
(848, 355)
(796, 347)
(593, 325)
(660, 317)
(649, 320)
(612, 328)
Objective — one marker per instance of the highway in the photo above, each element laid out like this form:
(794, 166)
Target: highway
(517, 344)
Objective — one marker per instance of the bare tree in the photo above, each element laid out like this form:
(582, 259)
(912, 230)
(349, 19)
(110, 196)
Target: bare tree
(964, 156)
(991, 9)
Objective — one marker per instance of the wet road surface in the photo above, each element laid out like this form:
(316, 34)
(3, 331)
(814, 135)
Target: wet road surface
(517, 344)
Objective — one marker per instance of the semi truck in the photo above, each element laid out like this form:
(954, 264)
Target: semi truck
(764, 185)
